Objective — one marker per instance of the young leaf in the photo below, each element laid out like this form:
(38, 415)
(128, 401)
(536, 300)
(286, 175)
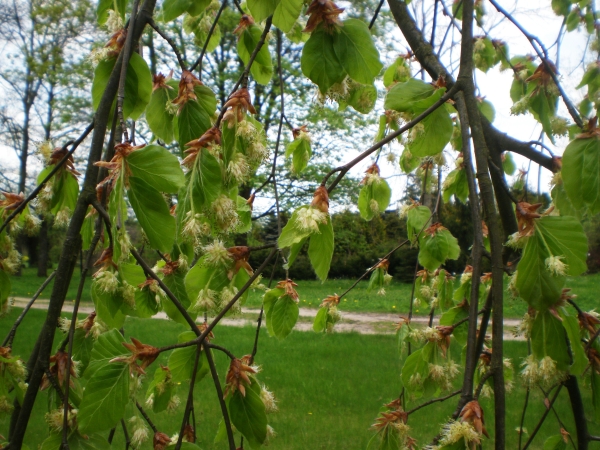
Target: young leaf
(157, 167)
(432, 134)
(300, 151)
(319, 61)
(564, 236)
(580, 360)
(261, 9)
(286, 13)
(159, 119)
(320, 322)
(374, 198)
(282, 317)
(320, 249)
(581, 173)
(403, 97)
(108, 307)
(354, 47)
(262, 67)
(549, 338)
(248, 414)
(192, 122)
(152, 213)
(171, 9)
(416, 219)
(104, 399)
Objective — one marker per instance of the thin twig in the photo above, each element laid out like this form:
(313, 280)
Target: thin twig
(11, 334)
(376, 14)
(224, 412)
(190, 399)
(390, 137)
(198, 62)
(539, 424)
(433, 400)
(55, 169)
(170, 42)
(146, 418)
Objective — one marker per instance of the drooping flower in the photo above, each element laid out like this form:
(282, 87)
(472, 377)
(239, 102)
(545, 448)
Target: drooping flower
(310, 218)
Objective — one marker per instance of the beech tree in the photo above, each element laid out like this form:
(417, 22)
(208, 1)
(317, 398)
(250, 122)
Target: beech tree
(189, 208)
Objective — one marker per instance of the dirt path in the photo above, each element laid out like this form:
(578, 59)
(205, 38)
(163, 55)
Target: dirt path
(351, 322)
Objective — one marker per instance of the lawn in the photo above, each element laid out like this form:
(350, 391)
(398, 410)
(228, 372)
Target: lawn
(329, 387)
(360, 299)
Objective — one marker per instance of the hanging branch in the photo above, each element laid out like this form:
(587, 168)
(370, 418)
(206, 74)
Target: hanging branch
(198, 62)
(390, 137)
(224, 412)
(8, 340)
(127, 50)
(146, 418)
(434, 400)
(56, 168)
(171, 43)
(90, 258)
(190, 399)
(541, 51)
(541, 421)
(376, 14)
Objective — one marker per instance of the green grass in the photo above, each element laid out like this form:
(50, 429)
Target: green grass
(358, 300)
(329, 388)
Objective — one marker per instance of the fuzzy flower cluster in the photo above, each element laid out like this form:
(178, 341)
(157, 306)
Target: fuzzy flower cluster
(107, 281)
(206, 301)
(308, 219)
(543, 372)
(524, 327)
(55, 418)
(194, 228)
(444, 374)
(457, 431)
(139, 432)
(216, 254)
(238, 168)
(555, 266)
(517, 241)
(225, 213)
(268, 399)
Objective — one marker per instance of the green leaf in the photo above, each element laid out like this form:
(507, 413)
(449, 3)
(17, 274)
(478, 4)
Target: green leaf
(206, 99)
(152, 213)
(286, 13)
(292, 233)
(319, 61)
(105, 398)
(414, 367)
(261, 9)
(508, 163)
(262, 67)
(108, 307)
(536, 285)
(456, 184)
(362, 97)
(104, 6)
(403, 97)
(555, 442)
(454, 315)
(320, 249)
(82, 348)
(355, 49)
(281, 316)
(171, 9)
(581, 173)
(205, 181)
(580, 360)
(378, 192)
(416, 219)
(108, 346)
(159, 119)
(176, 284)
(320, 322)
(157, 167)
(436, 133)
(300, 151)
(294, 251)
(487, 109)
(436, 249)
(197, 7)
(564, 236)
(549, 338)
(202, 277)
(248, 414)
(191, 123)
(138, 85)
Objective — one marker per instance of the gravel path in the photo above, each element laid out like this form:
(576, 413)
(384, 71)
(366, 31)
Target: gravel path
(351, 322)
